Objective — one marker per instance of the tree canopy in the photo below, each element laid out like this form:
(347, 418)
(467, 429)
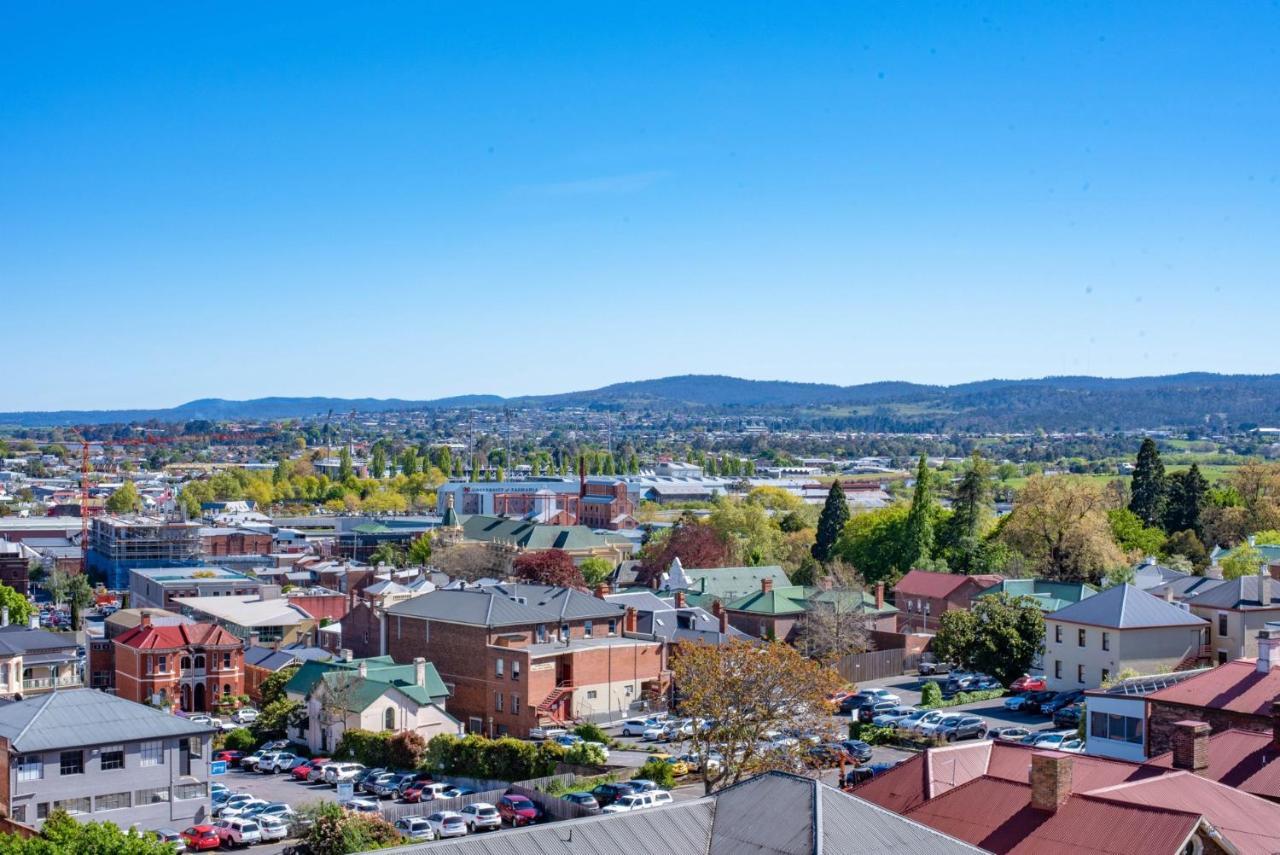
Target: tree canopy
(548, 567)
(1000, 635)
(835, 513)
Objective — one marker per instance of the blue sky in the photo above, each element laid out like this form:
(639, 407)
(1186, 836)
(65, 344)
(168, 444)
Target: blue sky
(426, 199)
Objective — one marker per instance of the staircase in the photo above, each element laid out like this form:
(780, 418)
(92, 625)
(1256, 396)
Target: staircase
(552, 700)
(1195, 659)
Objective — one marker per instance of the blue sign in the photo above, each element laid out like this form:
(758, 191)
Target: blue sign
(218, 767)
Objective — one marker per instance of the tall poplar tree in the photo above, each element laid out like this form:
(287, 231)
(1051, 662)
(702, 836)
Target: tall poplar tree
(1148, 487)
(918, 537)
(835, 513)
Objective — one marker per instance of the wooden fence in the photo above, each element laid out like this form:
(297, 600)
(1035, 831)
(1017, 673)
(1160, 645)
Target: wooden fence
(877, 664)
(397, 810)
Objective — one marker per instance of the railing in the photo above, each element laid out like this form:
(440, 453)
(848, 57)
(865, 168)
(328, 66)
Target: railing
(51, 682)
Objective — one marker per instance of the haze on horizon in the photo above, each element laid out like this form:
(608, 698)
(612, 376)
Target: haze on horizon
(415, 202)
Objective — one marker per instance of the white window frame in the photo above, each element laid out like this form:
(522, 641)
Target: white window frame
(151, 753)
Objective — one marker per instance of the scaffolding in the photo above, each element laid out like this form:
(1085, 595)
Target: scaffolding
(118, 544)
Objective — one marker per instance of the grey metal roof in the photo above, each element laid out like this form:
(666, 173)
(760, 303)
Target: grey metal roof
(1187, 587)
(500, 605)
(1126, 607)
(74, 717)
(1242, 593)
(19, 640)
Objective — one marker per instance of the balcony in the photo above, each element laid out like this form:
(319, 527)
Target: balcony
(41, 683)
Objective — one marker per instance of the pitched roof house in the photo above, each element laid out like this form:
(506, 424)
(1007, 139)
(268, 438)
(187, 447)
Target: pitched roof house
(1236, 610)
(922, 596)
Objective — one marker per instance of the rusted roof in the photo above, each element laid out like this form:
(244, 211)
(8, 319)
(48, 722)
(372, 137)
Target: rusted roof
(1242, 759)
(1236, 686)
(922, 583)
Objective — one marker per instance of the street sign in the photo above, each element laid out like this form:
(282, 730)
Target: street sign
(218, 767)
(346, 791)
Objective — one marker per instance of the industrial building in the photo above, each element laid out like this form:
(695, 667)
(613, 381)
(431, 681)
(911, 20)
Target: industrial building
(118, 544)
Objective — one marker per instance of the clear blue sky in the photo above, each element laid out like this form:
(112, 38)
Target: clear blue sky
(425, 199)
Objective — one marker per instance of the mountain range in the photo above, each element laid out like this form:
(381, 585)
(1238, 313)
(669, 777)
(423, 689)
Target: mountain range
(1051, 403)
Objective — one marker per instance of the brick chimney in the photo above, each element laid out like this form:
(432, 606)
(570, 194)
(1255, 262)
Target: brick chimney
(680, 601)
(602, 590)
(724, 622)
(1050, 780)
(766, 585)
(420, 671)
(879, 596)
(629, 620)
(1191, 746)
(144, 619)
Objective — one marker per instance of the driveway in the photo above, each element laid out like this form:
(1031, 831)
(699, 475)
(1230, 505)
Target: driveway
(908, 688)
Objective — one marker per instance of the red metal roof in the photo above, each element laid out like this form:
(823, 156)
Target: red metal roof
(1242, 759)
(1235, 686)
(997, 816)
(922, 583)
(151, 637)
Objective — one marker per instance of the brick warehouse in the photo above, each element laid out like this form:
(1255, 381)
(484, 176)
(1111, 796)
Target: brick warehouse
(517, 656)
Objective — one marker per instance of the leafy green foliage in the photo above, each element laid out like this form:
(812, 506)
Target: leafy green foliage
(272, 688)
(1148, 488)
(364, 746)
(19, 607)
(591, 732)
(931, 693)
(917, 540)
(124, 500)
(872, 543)
(240, 739)
(595, 570)
(962, 698)
(274, 718)
(1244, 560)
(584, 754)
(504, 759)
(1131, 535)
(835, 513)
(335, 831)
(1187, 493)
(659, 771)
(420, 551)
(1000, 635)
(63, 835)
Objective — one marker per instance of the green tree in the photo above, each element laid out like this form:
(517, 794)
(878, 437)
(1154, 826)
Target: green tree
(1187, 494)
(19, 607)
(241, 739)
(63, 834)
(1244, 560)
(124, 500)
(378, 461)
(970, 512)
(387, 553)
(596, 570)
(917, 544)
(408, 462)
(659, 771)
(931, 692)
(831, 522)
(1000, 635)
(444, 460)
(420, 551)
(271, 689)
(872, 543)
(1131, 535)
(1148, 486)
(345, 470)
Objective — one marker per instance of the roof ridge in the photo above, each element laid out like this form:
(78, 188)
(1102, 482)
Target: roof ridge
(43, 704)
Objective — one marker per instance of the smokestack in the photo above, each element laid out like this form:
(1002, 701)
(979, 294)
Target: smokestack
(1191, 746)
(766, 585)
(420, 671)
(680, 601)
(879, 596)
(1050, 781)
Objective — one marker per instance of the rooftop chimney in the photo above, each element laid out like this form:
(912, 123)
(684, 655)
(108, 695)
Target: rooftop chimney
(629, 620)
(34, 621)
(362, 668)
(680, 601)
(420, 671)
(345, 654)
(1050, 780)
(1168, 593)
(4, 616)
(724, 621)
(766, 585)
(879, 596)
(1264, 585)
(1191, 746)
(602, 590)
(1268, 647)
(144, 619)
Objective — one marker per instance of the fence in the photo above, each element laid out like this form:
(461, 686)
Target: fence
(553, 807)
(396, 810)
(877, 664)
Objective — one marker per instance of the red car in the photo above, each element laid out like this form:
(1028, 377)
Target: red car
(413, 792)
(231, 757)
(302, 770)
(518, 810)
(1027, 683)
(198, 838)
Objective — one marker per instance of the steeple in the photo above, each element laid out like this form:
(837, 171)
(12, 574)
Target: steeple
(450, 515)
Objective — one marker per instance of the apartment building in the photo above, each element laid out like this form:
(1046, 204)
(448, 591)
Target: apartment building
(102, 758)
(160, 587)
(34, 661)
(118, 544)
(195, 665)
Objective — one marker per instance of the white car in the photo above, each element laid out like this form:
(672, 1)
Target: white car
(234, 805)
(272, 827)
(1054, 740)
(433, 791)
(774, 740)
(639, 801)
(883, 695)
(238, 832)
(448, 823)
(655, 733)
(1072, 746)
(604, 749)
(338, 773)
(250, 761)
(923, 725)
(415, 828)
(362, 805)
(481, 815)
(546, 732)
(248, 715)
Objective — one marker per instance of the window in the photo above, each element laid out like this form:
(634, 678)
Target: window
(498, 666)
(199, 662)
(194, 746)
(613, 627)
(155, 796)
(30, 767)
(162, 664)
(515, 704)
(1057, 669)
(497, 701)
(586, 629)
(20, 813)
(540, 632)
(515, 669)
(42, 810)
(226, 660)
(152, 754)
(185, 664)
(564, 632)
(1106, 675)
(1106, 641)
(112, 757)
(1057, 633)
(389, 719)
(112, 801)
(626, 690)
(1120, 728)
(226, 691)
(591, 694)
(1222, 623)
(1079, 673)
(1080, 637)
(74, 806)
(1222, 657)
(72, 763)
(188, 791)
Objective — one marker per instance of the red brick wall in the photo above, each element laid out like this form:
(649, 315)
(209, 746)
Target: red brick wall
(237, 543)
(361, 632)
(134, 684)
(332, 606)
(1161, 716)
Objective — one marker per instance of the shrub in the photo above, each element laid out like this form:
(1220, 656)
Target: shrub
(240, 739)
(659, 771)
(931, 694)
(871, 734)
(583, 754)
(504, 759)
(335, 831)
(364, 746)
(405, 749)
(592, 733)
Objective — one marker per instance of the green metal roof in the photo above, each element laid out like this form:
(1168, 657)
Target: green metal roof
(1049, 595)
(381, 673)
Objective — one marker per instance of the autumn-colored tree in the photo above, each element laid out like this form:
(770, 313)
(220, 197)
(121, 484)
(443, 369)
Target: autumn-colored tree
(548, 567)
(472, 561)
(696, 544)
(749, 691)
(1060, 525)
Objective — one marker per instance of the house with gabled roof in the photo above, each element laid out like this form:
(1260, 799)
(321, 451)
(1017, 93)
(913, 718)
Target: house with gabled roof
(776, 612)
(1050, 595)
(374, 694)
(1236, 610)
(1122, 628)
(191, 666)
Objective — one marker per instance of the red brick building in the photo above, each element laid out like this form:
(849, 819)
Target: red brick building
(194, 664)
(924, 596)
(216, 542)
(516, 656)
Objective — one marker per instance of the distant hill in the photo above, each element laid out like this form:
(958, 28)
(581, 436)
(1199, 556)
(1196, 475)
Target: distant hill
(1051, 403)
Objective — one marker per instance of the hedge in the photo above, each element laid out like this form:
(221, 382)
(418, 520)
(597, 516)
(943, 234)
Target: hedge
(871, 734)
(502, 759)
(964, 698)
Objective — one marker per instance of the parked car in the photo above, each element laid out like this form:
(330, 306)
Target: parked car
(381, 786)
(865, 773)
(637, 726)
(868, 712)
(1027, 683)
(568, 740)
(679, 768)
(415, 828)
(929, 667)
(447, 823)
(601, 747)
(957, 727)
(837, 696)
(318, 771)
(409, 779)
(1036, 700)
(360, 804)
(233, 802)
(425, 791)
(639, 801)
(168, 835)
(481, 816)
(250, 762)
(1068, 716)
(585, 800)
(280, 810)
(457, 792)
(923, 723)
(518, 810)
(240, 808)
(1053, 740)
(644, 785)
(1064, 699)
(302, 771)
(201, 838)
(1072, 746)
(228, 756)
(274, 827)
(654, 733)
(238, 831)
(340, 773)
(364, 780)
(607, 794)
(1009, 734)
(855, 702)
(248, 715)
(857, 749)
(546, 732)
(892, 716)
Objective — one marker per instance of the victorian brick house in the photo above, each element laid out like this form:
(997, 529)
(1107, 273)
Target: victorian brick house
(515, 656)
(193, 665)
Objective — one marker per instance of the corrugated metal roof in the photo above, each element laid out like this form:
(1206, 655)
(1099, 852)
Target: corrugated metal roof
(1126, 607)
(74, 717)
(1242, 759)
(1236, 686)
(1242, 593)
(498, 605)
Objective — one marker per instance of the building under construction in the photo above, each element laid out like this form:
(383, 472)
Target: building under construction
(117, 544)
